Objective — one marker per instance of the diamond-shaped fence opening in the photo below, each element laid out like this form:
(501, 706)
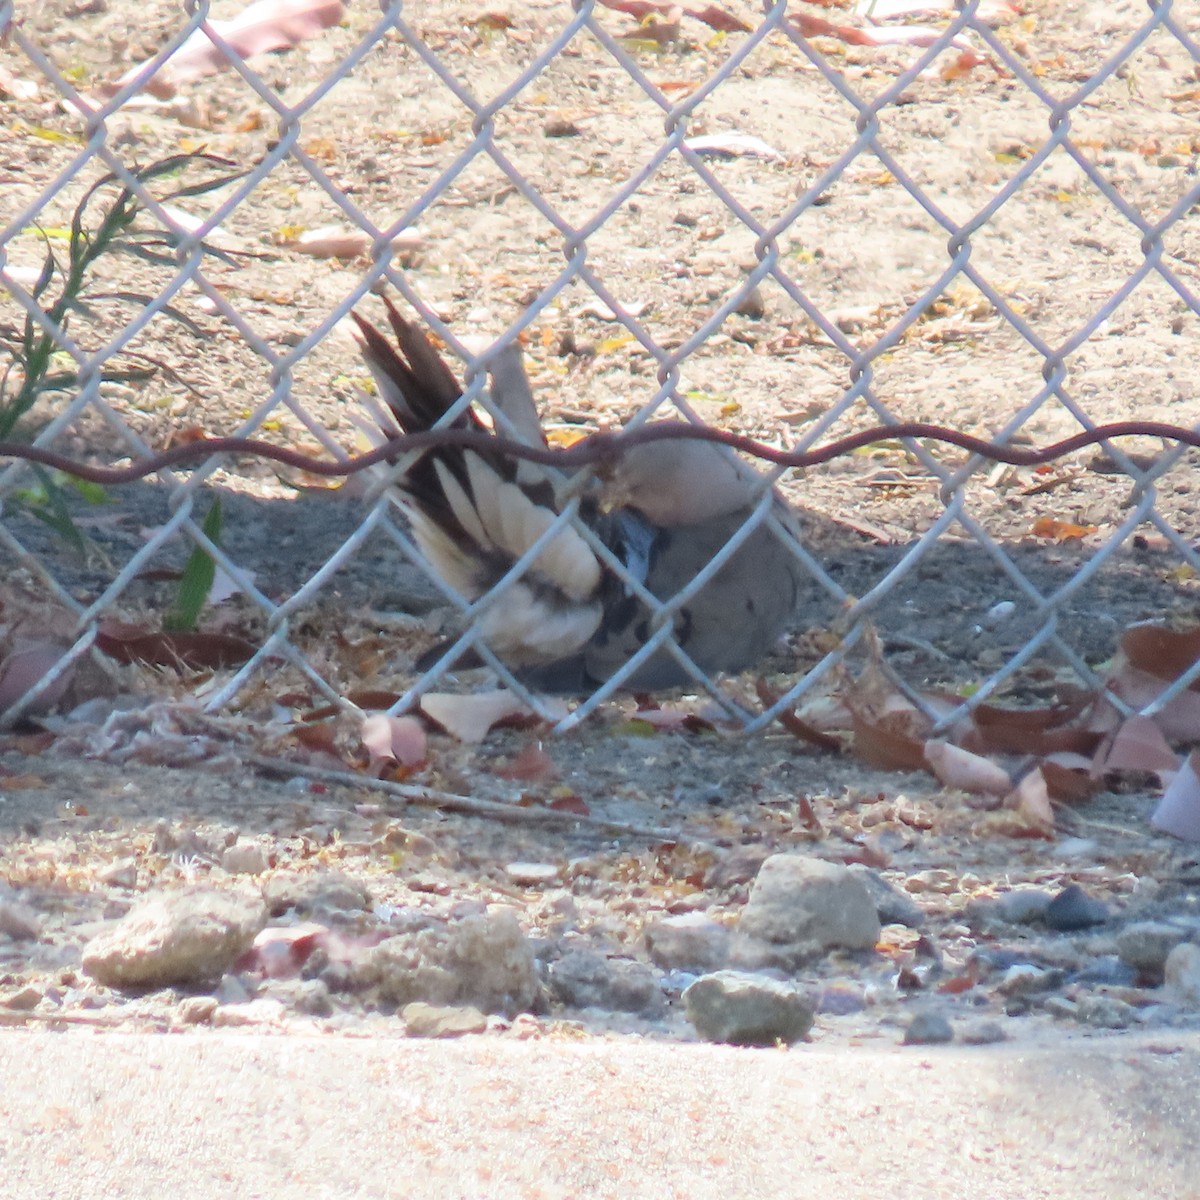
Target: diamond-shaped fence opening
(772, 221)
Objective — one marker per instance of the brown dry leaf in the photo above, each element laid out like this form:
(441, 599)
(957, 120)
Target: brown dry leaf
(1071, 784)
(564, 437)
(393, 739)
(1161, 651)
(1178, 812)
(1030, 801)
(1031, 730)
(1179, 718)
(1137, 745)
(877, 35)
(565, 800)
(1055, 530)
(470, 718)
(321, 736)
(180, 651)
(323, 149)
(711, 14)
(957, 768)
(369, 699)
(888, 748)
(263, 26)
(963, 63)
(652, 29)
(531, 765)
(1152, 656)
(794, 723)
(183, 437)
(493, 21)
(672, 719)
(718, 18)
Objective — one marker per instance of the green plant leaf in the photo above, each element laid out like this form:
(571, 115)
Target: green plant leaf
(46, 504)
(93, 493)
(196, 583)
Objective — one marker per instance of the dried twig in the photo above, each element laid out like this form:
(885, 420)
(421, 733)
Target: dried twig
(494, 810)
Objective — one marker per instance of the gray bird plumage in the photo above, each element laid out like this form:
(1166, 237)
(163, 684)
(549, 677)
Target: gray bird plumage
(665, 510)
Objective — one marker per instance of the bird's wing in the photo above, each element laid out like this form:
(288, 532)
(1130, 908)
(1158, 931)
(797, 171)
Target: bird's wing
(474, 513)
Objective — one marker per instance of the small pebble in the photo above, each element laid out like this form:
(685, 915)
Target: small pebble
(1181, 974)
(1060, 1007)
(841, 998)
(122, 873)
(982, 1033)
(893, 906)
(587, 979)
(560, 127)
(928, 1029)
(1107, 969)
(1000, 612)
(244, 858)
(747, 1010)
(438, 1021)
(1104, 1012)
(1074, 909)
(1145, 945)
(23, 999)
(18, 921)
(533, 874)
(752, 304)
(253, 1012)
(1028, 980)
(688, 940)
(196, 1010)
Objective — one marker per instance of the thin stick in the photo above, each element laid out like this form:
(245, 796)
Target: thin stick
(494, 810)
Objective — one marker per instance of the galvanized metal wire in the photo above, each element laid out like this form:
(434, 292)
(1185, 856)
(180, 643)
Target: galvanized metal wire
(97, 151)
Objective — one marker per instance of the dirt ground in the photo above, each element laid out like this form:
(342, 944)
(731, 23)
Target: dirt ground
(385, 136)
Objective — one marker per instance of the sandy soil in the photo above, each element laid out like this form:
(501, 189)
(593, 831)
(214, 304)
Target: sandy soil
(386, 135)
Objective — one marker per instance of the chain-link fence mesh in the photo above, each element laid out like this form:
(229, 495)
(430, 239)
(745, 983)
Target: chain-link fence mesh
(791, 223)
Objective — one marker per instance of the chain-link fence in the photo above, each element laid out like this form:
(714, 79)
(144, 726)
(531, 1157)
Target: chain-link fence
(790, 223)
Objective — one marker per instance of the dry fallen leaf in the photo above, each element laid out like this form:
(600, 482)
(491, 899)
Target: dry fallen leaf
(1178, 812)
(337, 241)
(531, 765)
(393, 739)
(1055, 530)
(264, 26)
(470, 718)
(1160, 650)
(1030, 801)
(957, 768)
(732, 145)
(181, 651)
(1137, 745)
(887, 748)
(711, 14)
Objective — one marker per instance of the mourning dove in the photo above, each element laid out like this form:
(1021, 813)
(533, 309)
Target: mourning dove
(664, 510)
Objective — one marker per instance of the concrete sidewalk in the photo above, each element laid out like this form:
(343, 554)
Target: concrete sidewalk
(246, 1116)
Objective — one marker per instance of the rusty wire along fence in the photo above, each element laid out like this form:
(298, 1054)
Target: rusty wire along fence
(984, 222)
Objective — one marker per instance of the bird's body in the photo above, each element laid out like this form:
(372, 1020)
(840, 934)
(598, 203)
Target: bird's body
(570, 622)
